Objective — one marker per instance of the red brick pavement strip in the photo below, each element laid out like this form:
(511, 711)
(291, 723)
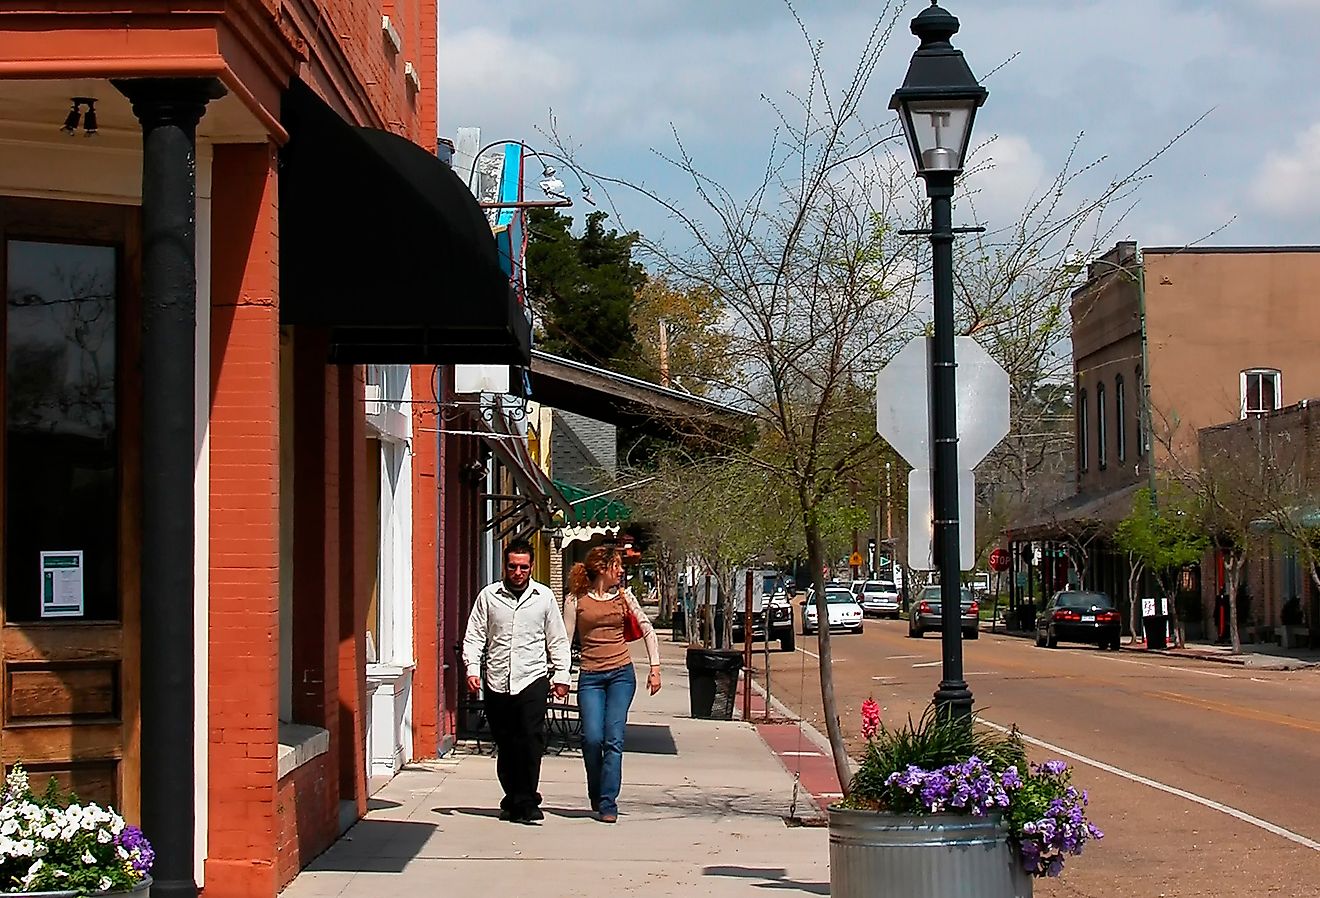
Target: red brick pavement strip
(798, 754)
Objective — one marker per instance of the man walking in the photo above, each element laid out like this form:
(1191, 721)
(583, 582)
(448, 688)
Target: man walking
(515, 645)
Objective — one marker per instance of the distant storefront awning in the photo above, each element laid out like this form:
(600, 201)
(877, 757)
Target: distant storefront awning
(589, 508)
(628, 401)
(1078, 512)
(383, 244)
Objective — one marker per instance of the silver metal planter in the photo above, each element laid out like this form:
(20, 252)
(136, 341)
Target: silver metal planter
(141, 890)
(874, 855)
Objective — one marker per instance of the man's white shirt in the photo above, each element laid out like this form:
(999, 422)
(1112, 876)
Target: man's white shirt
(519, 640)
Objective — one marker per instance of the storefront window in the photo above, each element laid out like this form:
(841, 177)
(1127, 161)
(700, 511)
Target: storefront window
(61, 436)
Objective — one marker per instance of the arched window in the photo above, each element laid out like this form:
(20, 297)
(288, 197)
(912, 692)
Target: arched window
(1083, 438)
(1101, 428)
(1120, 416)
(1261, 391)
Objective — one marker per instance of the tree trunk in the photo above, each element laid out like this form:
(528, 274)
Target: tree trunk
(1233, 569)
(1135, 569)
(732, 595)
(665, 576)
(816, 558)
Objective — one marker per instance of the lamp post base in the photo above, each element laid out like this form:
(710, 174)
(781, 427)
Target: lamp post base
(954, 696)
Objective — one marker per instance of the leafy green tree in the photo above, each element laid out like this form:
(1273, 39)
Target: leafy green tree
(680, 341)
(582, 288)
(1164, 539)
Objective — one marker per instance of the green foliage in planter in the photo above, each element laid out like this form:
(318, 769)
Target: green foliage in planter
(936, 741)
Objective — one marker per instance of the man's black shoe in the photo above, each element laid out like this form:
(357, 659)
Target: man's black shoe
(531, 815)
(506, 814)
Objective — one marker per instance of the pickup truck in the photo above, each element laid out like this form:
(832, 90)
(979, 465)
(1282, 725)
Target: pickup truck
(772, 599)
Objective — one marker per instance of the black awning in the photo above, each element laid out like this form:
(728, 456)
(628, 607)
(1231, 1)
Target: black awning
(381, 243)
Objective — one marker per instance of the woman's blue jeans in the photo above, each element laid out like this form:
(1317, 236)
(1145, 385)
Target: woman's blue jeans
(603, 700)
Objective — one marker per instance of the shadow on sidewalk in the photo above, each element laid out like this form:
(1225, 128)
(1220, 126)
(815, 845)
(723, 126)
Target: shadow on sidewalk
(650, 739)
(375, 846)
(775, 878)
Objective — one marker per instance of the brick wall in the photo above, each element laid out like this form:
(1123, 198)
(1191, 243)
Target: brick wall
(244, 524)
(427, 628)
(1289, 443)
(307, 816)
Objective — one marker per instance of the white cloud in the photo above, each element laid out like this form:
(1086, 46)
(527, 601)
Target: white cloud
(481, 69)
(1288, 183)
(1007, 174)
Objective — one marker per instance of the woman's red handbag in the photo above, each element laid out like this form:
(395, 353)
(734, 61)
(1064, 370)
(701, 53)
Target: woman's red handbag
(632, 630)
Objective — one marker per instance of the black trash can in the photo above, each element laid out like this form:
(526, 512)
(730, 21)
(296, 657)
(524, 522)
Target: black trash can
(679, 622)
(1156, 629)
(713, 682)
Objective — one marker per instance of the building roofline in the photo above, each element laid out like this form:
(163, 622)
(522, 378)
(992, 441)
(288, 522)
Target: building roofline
(1229, 250)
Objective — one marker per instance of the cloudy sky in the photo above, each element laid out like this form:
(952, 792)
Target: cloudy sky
(1130, 74)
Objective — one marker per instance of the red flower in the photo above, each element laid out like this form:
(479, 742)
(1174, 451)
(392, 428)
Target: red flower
(870, 718)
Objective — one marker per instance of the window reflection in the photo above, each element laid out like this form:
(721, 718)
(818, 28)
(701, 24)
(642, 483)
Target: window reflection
(61, 450)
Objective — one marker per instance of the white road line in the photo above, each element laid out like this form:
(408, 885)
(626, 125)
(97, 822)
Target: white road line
(981, 673)
(1204, 673)
(901, 657)
(929, 664)
(884, 678)
(1171, 790)
(801, 754)
(817, 657)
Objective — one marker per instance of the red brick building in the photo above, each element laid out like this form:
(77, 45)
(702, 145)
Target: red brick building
(243, 211)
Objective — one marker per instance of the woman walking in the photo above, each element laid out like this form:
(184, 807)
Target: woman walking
(604, 616)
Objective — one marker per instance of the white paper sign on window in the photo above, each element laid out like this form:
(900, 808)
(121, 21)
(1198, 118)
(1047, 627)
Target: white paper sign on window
(62, 584)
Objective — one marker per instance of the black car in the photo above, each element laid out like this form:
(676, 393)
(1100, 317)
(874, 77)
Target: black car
(1076, 616)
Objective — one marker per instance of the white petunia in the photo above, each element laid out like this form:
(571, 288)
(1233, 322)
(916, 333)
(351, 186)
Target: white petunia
(103, 836)
(88, 857)
(104, 884)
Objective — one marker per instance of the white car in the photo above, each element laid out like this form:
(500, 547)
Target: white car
(844, 612)
(880, 597)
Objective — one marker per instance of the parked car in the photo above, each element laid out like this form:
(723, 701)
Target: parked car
(772, 601)
(844, 612)
(926, 613)
(880, 597)
(1077, 616)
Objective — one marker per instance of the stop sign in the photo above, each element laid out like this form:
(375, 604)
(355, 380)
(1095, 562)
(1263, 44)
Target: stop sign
(998, 560)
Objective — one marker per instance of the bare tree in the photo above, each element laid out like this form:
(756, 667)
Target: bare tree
(820, 287)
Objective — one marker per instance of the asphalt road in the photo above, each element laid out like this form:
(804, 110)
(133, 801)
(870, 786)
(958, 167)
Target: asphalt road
(1205, 777)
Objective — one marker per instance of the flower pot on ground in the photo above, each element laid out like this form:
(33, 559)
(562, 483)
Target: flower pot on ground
(713, 682)
(52, 845)
(141, 890)
(950, 855)
(943, 809)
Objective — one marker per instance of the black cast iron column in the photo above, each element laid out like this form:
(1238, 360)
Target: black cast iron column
(953, 694)
(169, 110)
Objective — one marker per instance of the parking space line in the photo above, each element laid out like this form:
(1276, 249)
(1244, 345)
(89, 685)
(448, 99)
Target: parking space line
(929, 664)
(1213, 805)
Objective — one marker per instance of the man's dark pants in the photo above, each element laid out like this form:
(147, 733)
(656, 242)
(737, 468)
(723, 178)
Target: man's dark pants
(517, 723)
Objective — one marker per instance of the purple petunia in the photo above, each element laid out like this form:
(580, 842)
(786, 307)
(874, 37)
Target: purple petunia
(141, 857)
(970, 786)
(1062, 831)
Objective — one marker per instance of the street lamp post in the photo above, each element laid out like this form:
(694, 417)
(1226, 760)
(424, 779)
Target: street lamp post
(936, 105)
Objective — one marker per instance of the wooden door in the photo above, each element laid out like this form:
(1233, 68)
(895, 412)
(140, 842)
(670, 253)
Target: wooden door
(70, 456)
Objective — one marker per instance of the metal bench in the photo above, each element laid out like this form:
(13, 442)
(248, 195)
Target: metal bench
(563, 722)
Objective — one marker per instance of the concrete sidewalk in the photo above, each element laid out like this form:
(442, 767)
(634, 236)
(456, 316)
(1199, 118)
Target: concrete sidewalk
(701, 813)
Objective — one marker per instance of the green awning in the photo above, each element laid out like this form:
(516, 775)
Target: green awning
(584, 509)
